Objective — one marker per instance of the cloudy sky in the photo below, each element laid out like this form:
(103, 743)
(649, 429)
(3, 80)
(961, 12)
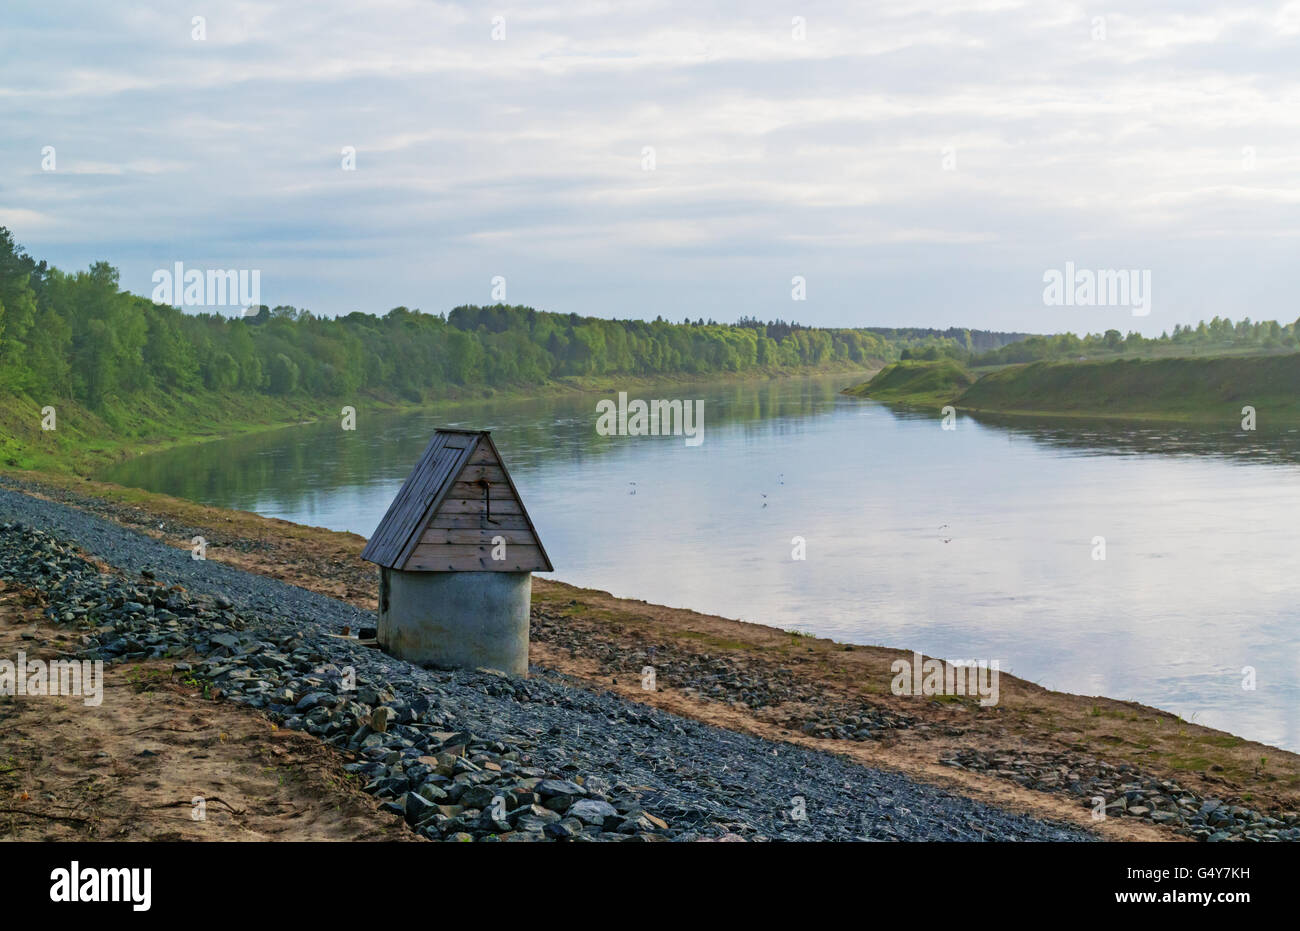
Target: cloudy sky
(919, 164)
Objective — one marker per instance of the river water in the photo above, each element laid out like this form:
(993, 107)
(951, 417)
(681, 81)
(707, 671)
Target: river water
(978, 542)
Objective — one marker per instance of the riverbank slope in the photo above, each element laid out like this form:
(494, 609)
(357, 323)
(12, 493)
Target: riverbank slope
(1193, 390)
(1038, 751)
(458, 755)
(79, 440)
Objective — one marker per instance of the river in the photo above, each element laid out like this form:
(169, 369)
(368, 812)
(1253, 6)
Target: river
(978, 542)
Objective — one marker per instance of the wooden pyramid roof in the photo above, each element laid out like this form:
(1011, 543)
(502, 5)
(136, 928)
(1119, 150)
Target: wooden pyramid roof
(458, 511)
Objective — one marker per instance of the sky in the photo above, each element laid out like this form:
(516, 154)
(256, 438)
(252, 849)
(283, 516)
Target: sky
(913, 164)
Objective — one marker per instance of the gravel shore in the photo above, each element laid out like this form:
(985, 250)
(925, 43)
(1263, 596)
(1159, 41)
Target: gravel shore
(464, 755)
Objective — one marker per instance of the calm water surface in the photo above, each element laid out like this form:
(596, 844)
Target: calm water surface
(973, 543)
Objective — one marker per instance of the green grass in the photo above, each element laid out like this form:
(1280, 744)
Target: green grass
(917, 383)
(87, 439)
(144, 680)
(1192, 764)
(1203, 389)
(1226, 741)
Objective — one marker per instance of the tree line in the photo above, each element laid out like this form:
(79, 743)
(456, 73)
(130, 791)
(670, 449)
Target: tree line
(1218, 335)
(79, 336)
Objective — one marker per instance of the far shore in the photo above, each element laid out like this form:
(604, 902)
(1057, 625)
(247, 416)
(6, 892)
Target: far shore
(83, 444)
(1214, 390)
(1037, 751)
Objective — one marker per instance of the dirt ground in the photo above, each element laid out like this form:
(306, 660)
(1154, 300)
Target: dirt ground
(131, 768)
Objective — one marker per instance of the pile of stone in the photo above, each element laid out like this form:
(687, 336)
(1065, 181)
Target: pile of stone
(792, 701)
(1122, 791)
(461, 754)
(446, 784)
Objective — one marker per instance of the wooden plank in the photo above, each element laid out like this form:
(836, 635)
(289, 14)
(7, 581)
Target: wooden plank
(437, 475)
(499, 491)
(486, 441)
(475, 506)
(452, 550)
(444, 459)
(477, 565)
(406, 508)
(474, 473)
(432, 560)
(472, 492)
(477, 522)
(458, 450)
(478, 536)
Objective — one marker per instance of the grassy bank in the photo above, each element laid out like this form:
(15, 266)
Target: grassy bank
(1200, 390)
(85, 440)
(919, 383)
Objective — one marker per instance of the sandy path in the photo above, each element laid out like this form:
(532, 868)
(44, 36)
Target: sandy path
(131, 768)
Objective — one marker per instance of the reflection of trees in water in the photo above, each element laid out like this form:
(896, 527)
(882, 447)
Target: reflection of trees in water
(276, 464)
(1116, 437)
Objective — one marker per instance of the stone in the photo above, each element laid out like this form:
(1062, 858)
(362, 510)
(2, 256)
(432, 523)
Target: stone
(489, 821)
(562, 830)
(549, 787)
(432, 792)
(533, 818)
(419, 809)
(636, 823)
(388, 787)
(312, 700)
(591, 811)
(481, 797)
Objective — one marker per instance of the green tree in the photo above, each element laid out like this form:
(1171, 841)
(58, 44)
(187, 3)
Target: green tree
(283, 374)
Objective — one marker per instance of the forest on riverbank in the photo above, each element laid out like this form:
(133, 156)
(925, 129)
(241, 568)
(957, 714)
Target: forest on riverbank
(117, 367)
(1216, 337)
(77, 336)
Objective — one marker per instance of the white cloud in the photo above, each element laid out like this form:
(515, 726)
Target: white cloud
(525, 154)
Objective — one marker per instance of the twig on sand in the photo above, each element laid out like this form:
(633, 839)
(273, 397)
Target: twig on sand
(209, 801)
(41, 814)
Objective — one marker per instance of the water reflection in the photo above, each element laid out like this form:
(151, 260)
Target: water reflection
(1279, 445)
(976, 542)
(282, 471)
